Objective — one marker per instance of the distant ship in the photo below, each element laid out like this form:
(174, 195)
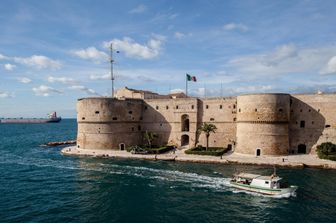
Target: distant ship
(52, 117)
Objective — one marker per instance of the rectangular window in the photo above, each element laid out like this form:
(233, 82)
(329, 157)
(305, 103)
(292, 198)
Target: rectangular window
(302, 124)
(220, 106)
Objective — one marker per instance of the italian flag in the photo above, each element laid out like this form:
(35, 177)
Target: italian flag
(191, 78)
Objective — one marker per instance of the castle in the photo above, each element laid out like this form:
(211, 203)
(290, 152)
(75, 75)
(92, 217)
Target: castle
(254, 124)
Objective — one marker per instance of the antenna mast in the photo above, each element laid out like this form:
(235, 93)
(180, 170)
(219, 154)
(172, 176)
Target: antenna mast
(112, 77)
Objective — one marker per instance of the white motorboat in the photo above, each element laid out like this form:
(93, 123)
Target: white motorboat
(267, 185)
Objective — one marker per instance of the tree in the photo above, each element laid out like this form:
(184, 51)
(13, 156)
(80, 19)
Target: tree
(207, 129)
(149, 137)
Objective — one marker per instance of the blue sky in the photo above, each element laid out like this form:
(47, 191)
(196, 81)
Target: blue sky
(53, 52)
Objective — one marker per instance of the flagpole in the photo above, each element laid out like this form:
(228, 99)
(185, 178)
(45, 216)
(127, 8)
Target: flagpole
(186, 85)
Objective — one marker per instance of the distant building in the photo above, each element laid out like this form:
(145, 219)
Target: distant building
(257, 124)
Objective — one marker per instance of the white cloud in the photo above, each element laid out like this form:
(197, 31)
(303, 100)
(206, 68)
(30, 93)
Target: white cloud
(24, 80)
(45, 91)
(177, 90)
(136, 50)
(9, 66)
(91, 53)
(2, 57)
(330, 68)
(100, 77)
(63, 80)
(235, 26)
(5, 94)
(179, 35)
(38, 61)
(282, 60)
(84, 89)
(139, 9)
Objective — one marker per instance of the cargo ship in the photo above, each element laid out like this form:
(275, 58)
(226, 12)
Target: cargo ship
(52, 117)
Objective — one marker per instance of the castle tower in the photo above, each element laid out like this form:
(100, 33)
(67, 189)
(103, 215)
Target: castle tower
(262, 124)
(108, 123)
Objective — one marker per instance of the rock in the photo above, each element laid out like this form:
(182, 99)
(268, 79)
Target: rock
(69, 142)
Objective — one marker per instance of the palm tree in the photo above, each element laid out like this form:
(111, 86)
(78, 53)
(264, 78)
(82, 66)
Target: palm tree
(149, 137)
(207, 129)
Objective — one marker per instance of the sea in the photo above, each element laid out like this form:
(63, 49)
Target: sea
(39, 184)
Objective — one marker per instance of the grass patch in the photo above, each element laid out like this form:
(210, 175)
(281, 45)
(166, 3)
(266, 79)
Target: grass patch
(212, 151)
(327, 151)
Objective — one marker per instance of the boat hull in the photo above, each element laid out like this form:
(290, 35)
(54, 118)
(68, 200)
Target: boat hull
(264, 191)
(32, 120)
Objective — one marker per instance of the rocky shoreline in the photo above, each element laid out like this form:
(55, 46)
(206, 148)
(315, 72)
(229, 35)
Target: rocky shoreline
(293, 161)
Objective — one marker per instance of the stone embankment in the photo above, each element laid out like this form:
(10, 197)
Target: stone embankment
(60, 143)
(292, 161)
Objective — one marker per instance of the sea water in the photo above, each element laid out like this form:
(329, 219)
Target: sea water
(38, 184)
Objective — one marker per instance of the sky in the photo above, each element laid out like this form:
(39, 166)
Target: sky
(54, 52)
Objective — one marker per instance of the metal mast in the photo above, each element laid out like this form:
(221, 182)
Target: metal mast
(112, 77)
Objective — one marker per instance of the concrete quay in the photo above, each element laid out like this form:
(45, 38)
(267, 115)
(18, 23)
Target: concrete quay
(292, 161)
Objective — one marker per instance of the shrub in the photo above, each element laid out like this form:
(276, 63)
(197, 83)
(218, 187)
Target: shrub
(212, 151)
(326, 150)
(159, 150)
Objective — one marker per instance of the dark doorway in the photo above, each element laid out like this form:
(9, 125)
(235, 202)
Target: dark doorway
(302, 149)
(258, 152)
(229, 147)
(185, 123)
(184, 140)
(122, 146)
(302, 124)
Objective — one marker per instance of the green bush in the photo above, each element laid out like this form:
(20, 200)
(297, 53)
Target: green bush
(159, 150)
(154, 149)
(326, 150)
(212, 151)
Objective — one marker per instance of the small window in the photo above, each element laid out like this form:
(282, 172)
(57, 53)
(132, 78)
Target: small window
(280, 110)
(292, 110)
(132, 129)
(176, 106)
(192, 107)
(157, 107)
(234, 119)
(141, 118)
(290, 102)
(146, 107)
(130, 112)
(114, 118)
(207, 106)
(239, 110)
(300, 110)
(302, 124)
(266, 182)
(327, 126)
(220, 106)
(139, 127)
(312, 122)
(234, 106)
(167, 107)
(97, 112)
(212, 119)
(83, 118)
(160, 124)
(309, 110)
(255, 110)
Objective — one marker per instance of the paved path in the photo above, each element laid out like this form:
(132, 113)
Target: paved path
(296, 161)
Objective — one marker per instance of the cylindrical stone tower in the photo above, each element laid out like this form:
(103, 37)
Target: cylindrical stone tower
(262, 124)
(108, 123)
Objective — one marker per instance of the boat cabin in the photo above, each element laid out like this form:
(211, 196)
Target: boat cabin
(271, 182)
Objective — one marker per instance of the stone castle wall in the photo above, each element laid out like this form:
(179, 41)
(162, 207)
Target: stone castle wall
(274, 124)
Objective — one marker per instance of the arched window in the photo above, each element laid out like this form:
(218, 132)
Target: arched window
(185, 123)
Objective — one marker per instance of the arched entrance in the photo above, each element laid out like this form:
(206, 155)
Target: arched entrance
(122, 146)
(185, 123)
(184, 140)
(258, 152)
(302, 149)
